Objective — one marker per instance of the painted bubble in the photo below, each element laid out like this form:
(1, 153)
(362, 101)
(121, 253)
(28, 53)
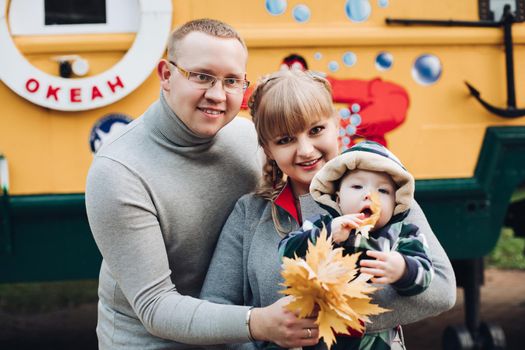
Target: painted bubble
(355, 119)
(346, 140)
(276, 7)
(318, 56)
(384, 61)
(358, 10)
(301, 13)
(344, 113)
(382, 3)
(356, 107)
(350, 130)
(342, 132)
(427, 69)
(349, 58)
(333, 66)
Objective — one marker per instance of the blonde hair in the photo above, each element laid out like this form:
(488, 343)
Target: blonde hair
(208, 26)
(285, 103)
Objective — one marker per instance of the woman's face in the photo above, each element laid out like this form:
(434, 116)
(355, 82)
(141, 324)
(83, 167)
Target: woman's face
(302, 155)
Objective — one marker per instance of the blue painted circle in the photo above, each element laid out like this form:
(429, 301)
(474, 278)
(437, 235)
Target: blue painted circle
(384, 60)
(358, 10)
(427, 69)
(318, 56)
(349, 58)
(301, 13)
(346, 140)
(350, 130)
(342, 132)
(333, 66)
(355, 119)
(356, 108)
(107, 127)
(344, 113)
(382, 3)
(276, 7)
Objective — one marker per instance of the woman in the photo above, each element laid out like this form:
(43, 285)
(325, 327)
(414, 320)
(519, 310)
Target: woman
(297, 128)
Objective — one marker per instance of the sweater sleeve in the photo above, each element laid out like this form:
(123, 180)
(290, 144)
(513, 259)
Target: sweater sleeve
(419, 270)
(440, 295)
(224, 280)
(124, 223)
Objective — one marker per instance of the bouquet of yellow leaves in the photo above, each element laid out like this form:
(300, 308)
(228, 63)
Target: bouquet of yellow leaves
(326, 278)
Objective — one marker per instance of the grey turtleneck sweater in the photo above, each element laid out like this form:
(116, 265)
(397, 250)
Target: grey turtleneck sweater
(157, 197)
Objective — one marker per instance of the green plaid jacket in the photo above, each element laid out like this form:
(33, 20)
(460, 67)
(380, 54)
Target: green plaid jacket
(396, 235)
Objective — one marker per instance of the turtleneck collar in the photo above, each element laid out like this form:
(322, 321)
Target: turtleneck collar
(166, 123)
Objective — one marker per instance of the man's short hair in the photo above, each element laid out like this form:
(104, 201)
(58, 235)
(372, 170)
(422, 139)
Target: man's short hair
(208, 26)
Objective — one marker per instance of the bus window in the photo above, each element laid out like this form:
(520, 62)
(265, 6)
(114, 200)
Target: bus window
(74, 12)
(51, 17)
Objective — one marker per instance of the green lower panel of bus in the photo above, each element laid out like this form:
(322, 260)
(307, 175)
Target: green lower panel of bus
(467, 214)
(47, 237)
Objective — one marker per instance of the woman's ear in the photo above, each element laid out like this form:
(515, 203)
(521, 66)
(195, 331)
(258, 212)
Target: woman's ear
(268, 154)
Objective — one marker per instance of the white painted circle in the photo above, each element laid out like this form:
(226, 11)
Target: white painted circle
(80, 67)
(93, 92)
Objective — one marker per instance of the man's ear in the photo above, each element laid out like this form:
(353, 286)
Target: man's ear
(164, 74)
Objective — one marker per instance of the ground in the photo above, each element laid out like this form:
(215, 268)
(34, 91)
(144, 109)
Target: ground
(503, 303)
(502, 296)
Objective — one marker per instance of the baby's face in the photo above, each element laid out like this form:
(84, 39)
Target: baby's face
(356, 188)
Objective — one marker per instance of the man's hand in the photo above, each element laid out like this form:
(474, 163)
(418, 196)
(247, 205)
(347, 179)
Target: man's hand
(343, 225)
(274, 323)
(387, 268)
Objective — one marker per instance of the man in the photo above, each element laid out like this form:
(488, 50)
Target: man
(158, 194)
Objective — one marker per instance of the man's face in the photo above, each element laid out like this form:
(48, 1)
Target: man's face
(204, 111)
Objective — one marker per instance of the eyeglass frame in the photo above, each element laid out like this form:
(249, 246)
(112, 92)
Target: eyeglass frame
(187, 73)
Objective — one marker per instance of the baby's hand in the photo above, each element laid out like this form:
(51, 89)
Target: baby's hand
(387, 267)
(342, 225)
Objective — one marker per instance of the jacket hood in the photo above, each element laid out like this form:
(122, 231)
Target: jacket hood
(366, 155)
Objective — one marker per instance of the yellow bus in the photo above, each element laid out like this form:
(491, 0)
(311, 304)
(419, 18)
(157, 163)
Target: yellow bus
(73, 74)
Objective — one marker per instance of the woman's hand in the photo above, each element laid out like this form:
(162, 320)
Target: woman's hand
(343, 225)
(276, 324)
(387, 267)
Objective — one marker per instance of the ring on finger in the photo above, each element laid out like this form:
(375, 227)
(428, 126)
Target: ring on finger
(308, 333)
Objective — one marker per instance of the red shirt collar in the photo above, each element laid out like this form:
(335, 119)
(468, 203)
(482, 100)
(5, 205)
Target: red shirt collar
(286, 201)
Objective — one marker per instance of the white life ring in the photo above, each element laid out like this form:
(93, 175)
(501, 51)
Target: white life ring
(96, 91)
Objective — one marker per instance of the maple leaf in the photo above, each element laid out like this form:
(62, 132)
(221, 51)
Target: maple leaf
(370, 222)
(326, 278)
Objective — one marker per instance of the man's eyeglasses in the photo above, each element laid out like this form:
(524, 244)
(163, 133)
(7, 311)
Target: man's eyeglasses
(206, 81)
